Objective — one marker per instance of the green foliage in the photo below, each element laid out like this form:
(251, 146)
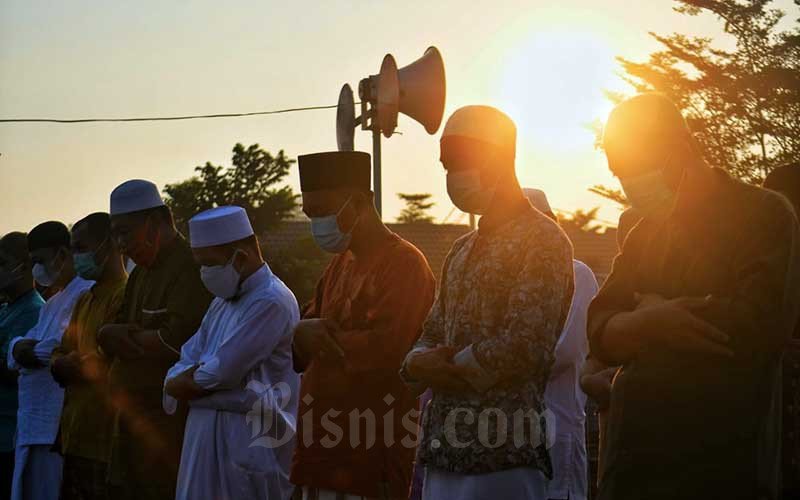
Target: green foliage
(580, 220)
(743, 104)
(250, 183)
(615, 195)
(417, 206)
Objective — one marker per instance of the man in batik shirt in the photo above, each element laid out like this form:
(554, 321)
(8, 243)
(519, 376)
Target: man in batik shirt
(488, 344)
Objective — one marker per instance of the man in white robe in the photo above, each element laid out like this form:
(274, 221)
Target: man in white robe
(236, 371)
(563, 395)
(37, 469)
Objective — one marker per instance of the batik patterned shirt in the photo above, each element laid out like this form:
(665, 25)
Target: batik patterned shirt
(504, 296)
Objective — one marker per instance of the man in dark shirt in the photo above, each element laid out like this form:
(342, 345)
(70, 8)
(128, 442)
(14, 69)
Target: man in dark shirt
(164, 303)
(17, 316)
(786, 180)
(698, 309)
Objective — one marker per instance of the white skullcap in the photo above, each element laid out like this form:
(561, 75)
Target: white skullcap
(134, 195)
(483, 123)
(218, 226)
(538, 199)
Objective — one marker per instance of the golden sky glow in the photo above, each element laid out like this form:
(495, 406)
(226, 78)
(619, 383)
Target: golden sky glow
(544, 65)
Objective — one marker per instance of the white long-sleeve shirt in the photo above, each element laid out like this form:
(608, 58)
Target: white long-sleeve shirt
(239, 439)
(40, 397)
(564, 396)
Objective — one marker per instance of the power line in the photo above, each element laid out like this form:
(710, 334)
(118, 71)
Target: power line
(164, 118)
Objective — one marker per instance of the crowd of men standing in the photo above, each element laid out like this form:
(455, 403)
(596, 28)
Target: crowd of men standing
(163, 367)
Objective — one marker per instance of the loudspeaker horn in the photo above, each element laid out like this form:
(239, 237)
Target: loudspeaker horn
(345, 119)
(388, 99)
(417, 90)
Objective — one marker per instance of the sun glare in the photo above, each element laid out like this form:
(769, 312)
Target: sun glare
(552, 85)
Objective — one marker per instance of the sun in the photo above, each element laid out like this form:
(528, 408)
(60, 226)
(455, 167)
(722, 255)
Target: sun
(551, 83)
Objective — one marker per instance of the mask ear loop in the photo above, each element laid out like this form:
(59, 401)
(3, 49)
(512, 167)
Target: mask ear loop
(101, 245)
(147, 241)
(347, 202)
(358, 217)
(60, 269)
(16, 270)
(232, 263)
(232, 260)
(13, 272)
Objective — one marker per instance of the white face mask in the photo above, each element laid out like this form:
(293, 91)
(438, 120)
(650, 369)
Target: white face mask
(467, 192)
(43, 275)
(222, 281)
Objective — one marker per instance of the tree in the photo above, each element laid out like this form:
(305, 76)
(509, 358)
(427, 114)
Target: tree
(299, 266)
(417, 205)
(742, 104)
(250, 183)
(615, 195)
(580, 220)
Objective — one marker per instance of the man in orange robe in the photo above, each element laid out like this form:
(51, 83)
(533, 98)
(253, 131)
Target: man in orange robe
(357, 421)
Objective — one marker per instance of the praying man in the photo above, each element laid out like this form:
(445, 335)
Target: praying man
(488, 345)
(236, 371)
(163, 306)
(366, 313)
(37, 468)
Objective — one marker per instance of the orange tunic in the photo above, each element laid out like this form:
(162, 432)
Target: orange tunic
(357, 420)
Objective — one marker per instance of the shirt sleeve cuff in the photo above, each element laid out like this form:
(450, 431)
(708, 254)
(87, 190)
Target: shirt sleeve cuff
(169, 404)
(415, 386)
(44, 350)
(10, 361)
(205, 376)
(410, 381)
(479, 378)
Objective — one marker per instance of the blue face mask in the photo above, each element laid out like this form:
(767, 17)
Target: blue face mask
(86, 264)
(328, 235)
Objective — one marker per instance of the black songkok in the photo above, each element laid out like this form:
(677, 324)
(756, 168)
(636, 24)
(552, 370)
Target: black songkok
(334, 170)
(51, 234)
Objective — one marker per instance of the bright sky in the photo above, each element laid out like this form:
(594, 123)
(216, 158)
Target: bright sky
(545, 63)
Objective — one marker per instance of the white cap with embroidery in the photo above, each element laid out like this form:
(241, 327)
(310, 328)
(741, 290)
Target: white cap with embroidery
(218, 226)
(135, 195)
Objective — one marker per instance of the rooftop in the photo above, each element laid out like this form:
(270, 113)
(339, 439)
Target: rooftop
(597, 250)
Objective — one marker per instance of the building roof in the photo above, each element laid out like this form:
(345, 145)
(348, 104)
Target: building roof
(596, 250)
(433, 240)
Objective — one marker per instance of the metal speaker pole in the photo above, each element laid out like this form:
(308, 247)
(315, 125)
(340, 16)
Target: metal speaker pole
(416, 90)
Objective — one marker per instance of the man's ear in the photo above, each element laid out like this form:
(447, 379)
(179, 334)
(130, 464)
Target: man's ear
(240, 258)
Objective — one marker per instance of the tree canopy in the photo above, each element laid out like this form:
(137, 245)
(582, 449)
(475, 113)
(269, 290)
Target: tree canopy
(251, 183)
(416, 209)
(742, 102)
(580, 220)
